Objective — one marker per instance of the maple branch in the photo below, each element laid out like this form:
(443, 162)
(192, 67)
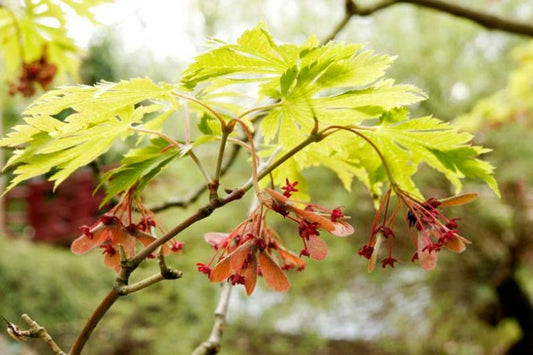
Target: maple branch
(338, 28)
(193, 196)
(212, 345)
(259, 108)
(484, 19)
(132, 264)
(313, 138)
(99, 312)
(165, 273)
(207, 209)
(203, 212)
(170, 274)
(35, 331)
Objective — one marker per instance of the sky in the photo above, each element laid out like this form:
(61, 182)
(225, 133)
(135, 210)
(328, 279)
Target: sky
(176, 29)
(164, 27)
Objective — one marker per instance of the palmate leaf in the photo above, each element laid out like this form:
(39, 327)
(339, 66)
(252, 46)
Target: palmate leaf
(255, 53)
(337, 85)
(340, 82)
(404, 144)
(138, 168)
(98, 117)
(350, 107)
(407, 143)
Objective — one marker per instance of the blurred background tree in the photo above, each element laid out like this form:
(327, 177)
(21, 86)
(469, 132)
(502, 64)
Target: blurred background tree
(475, 303)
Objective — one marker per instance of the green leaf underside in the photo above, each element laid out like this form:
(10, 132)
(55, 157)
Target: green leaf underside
(404, 145)
(408, 143)
(138, 168)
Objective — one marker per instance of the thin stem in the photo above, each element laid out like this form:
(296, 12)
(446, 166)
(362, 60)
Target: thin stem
(99, 312)
(338, 28)
(206, 210)
(41, 333)
(166, 272)
(178, 146)
(481, 18)
(353, 8)
(149, 281)
(240, 143)
(334, 129)
(232, 158)
(193, 196)
(209, 108)
(157, 133)
(200, 165)
(35, 331)
(255, 180)
(220, 169)
(311, 139)
(259, 108)
(187, 124)
(212, 345)
(221, 150)
(221, 310)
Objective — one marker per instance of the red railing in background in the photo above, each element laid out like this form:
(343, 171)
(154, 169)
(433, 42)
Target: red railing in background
(36, 212)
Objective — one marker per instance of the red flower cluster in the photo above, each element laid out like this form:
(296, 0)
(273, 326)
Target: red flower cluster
(117, 228)
(253, 248)
(248, 251)
(310, 218)
(39, 71)
(430, 230)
